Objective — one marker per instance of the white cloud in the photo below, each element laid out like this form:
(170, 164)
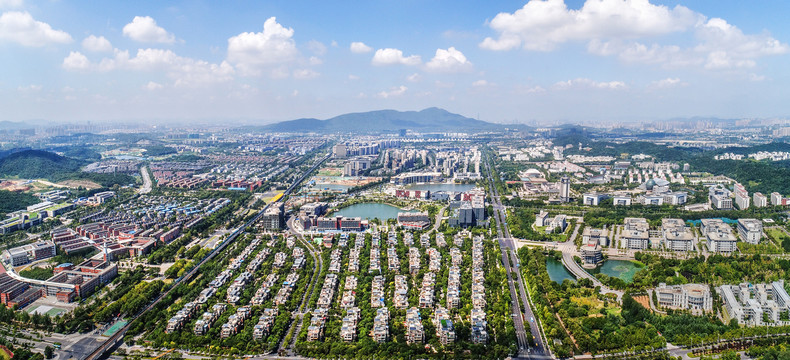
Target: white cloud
(450, 60)
(21, 28)
(251, 52)
(30, 88)
(396, 91)
(76, 61)
(305, 74)
(151, 86)
(728, 47)
(184, 71)
(443, 85)
(716, 43)
(11, 4)
(316, 47)
(668, 83)
(315, 61)
(353, 77)
(144, 29)
(414, 77)
(360, 48)
(391, 56)
(756, 78)
(590, 84)
(96, 44)
(480, 83)
(541, 25)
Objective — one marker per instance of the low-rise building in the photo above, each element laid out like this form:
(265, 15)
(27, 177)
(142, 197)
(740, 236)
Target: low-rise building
(685, 297)
(756, 304)
(750, 230)
(719, 236)
(594, 199)
(635, 233)
(677, 236)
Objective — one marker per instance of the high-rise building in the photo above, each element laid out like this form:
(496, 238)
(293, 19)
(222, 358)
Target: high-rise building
(759, 200)
(777, 199)
(565, 189)
(741, 197)
(339, 151)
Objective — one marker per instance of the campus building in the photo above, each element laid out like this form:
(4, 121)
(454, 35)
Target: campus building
(685, 297)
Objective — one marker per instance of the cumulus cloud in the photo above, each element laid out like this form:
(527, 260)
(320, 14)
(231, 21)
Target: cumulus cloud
(96, 44)
(481, 83)
(396, 91)
(21, 28)
(450, 60)
(391, 56)
(251, 52)
(315, 61)
(151, 86)
(667, 83)
(728, 47)
(30, 88)
(360, 48)
(183, 70)
(316, 47)
(11, 4)
(76, 61)
(303, 74)
(541, 25)
(414, 77)
(589, 84)
(620, 27)
(144, 29)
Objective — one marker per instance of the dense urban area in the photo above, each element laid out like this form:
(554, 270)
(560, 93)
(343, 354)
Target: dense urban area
(486, 241)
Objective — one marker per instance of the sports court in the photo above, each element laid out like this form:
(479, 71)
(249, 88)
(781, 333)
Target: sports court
(45, 309)
(114, 328)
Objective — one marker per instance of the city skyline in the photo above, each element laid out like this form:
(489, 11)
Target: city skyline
(505, 62)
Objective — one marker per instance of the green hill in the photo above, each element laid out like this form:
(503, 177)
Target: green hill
(37, 164)
(427, 120)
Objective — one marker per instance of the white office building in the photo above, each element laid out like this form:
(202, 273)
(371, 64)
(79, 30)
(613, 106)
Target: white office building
(750, 230)
(685, 297)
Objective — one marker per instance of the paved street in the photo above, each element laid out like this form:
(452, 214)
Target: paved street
(507, 246)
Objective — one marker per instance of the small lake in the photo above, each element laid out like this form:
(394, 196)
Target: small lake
(442, 187)
(557, 272)
(371, 211)
(622, 269)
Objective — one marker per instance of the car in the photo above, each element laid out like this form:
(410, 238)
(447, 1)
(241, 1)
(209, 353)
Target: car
(531, 319)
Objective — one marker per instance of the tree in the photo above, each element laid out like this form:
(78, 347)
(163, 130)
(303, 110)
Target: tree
(48, 352)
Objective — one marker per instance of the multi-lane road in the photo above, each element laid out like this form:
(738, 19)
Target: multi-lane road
(522, 314)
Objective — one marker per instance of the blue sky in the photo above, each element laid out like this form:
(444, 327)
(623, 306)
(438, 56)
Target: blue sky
(541, 61)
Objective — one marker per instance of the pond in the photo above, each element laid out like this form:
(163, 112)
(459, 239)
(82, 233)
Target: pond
(442, 187)
(557, 272)
(622, 269)
(371, 211)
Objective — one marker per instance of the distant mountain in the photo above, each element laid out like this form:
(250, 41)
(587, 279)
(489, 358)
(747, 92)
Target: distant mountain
(36, 164)
(431, 119)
